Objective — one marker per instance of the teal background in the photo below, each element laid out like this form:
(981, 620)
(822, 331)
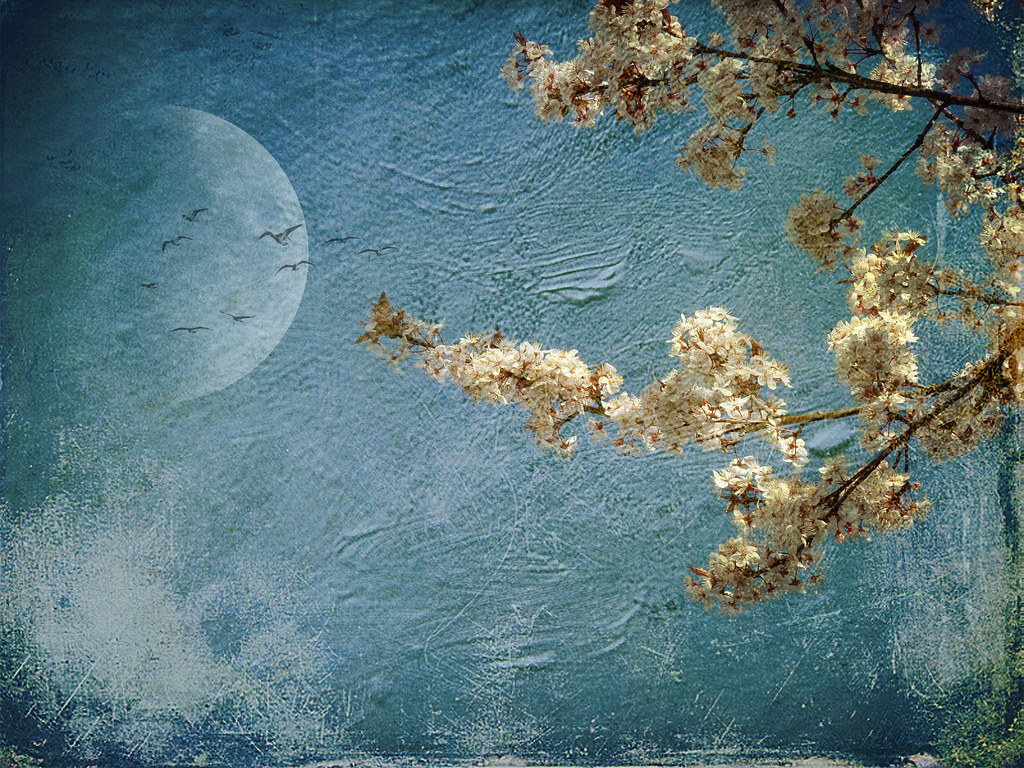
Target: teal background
(323, 558)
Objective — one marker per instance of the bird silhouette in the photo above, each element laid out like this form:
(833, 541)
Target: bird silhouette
(342, 239)
(379, 251)
(191, 329)
(295, 266)
(149, 285)
(194, 216)
(237, 318)
(281, 238)
(175, 241)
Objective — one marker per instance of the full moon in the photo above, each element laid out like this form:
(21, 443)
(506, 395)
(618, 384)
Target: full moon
(199, 248)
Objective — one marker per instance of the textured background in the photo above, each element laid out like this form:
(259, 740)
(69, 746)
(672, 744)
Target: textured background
(318, 557)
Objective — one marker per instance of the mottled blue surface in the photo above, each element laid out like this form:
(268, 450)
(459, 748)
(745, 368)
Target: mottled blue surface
(317, 557)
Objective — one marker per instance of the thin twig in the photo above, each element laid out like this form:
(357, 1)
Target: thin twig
(902, 159)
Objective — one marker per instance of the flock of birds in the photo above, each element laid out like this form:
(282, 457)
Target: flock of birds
(282, 238)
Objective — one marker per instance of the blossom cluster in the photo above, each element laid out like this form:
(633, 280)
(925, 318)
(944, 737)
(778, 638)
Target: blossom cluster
(892, 287)
(873, 354)
(638, 63)
(817, 225)
(891, 277)
(901, 70)
(713, 399)
(1002, 239)
(554, 385)
(408, 332)
(783, 523)
(966, 173)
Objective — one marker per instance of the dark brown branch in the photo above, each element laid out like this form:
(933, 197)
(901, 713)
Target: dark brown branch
(985, 299)
(917, 48)
(903, 158)
(836, 498)
(963, 128)
(831, 73)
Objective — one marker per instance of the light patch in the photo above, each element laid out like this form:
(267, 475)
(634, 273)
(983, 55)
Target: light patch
(119, 653)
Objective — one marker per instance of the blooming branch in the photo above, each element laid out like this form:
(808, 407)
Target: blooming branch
(639, 63)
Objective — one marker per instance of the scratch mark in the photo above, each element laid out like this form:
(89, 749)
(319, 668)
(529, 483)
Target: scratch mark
(817, 618)
(792, 672)
(77, 687)
(472, 600)
(713, 705)
(930, 699)
(721, 737)
(248, 737)
(660, 654)
(141, 743)
(895, 650)
(20, 667)
(84, 735)
(536, 660)
(578, 549)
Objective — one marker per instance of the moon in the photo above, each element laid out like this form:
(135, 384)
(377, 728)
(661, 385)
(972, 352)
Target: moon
(176, 245)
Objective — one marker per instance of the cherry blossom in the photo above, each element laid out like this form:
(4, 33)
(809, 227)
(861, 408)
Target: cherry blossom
(784, 56)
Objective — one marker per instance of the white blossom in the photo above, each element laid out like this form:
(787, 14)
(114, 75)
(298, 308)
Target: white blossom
(891, 277)
(873, 353)
(816, 225)
(639, 63)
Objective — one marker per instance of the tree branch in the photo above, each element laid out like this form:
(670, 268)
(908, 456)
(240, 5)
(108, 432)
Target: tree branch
(878, 182)
(977, 297)
(837, 497)
(831, 73)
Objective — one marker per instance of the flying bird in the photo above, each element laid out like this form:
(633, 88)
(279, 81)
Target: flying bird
(175, 241)
(194, 216)
(237, 318)
(379, 251)
(342, 239)
(281, 238)
(193, 329)
(149, 285)
(295, 266)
